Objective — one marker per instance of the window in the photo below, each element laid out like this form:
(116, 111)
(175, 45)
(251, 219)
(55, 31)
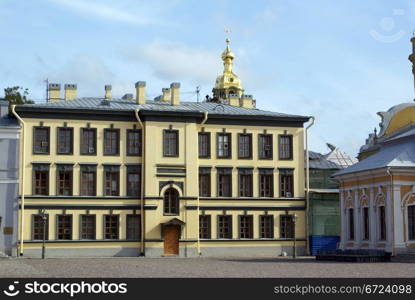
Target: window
(88, 180)
(286, 147)
(411, 222)
(112, 180)
(134, 142)
(65, 140)
(171, 143)
(171, 202)
(286, 183)
(133, 180)
(245, 182)
(224, 182)
(286, 227)
(111, 141)
(351, 224)
(204, 144)
(111, 227)
(366, 223)
(266, 227)
(64, 180)
(204, 182)
(224, 145)
(88, 141)
(37, 227)
(244, 145)
(64, 224)
(88, 224)
(133, 227)
(245, 227)
(204, 227)
(266, 183)
(40, 181)
(41, 140)
(225, 227)
(382, 223)
(265, 146)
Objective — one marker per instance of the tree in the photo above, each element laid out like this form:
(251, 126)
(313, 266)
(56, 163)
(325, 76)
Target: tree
(17, 95)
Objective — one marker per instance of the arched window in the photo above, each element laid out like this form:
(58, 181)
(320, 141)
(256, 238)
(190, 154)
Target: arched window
(171, 202)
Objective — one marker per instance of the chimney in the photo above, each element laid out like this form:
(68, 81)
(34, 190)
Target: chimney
(247, 101)
(140, 88)
(165, 97)
(175, 93)
(108, 91)
(234, 99)
(54, 92)
(70, 92)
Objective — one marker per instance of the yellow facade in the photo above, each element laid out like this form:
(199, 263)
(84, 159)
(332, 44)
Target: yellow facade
(160, 173)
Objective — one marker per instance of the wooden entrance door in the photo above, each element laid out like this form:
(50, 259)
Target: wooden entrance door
(171, 239)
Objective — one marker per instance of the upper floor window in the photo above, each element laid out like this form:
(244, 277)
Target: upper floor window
(171, 143)
(224, 182)
(204, 182)
(244, 145)
(266, 183)
(224, 145)
(40, 180)
(133, 180)
(265, 146)
(171, 202)
(111, 141)
(285, 147)
(65, 140)
(64, 180)
(286, 183)
(134, 142)
(286, 226)
(112, 180)
(245, 182)
(204, 144)
(88, 180)
(41, 137)
(88, 141)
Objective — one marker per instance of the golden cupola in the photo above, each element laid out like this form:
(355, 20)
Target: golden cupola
(228, 83)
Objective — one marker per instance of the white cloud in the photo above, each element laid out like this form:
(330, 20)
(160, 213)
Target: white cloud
(110, 12)
(175, 61)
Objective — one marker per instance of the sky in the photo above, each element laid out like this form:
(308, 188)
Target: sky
(340, 61)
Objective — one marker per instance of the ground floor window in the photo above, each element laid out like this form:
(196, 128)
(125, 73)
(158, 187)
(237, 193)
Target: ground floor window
(245, 227)
(64, 227)
(382, 223)
(286, 226)
(111, 227)
(366, 226)
(37, 227)
(411, 222)
(351, 224)
(266, 226)
(225, 227)
(133, 227)
(88, 223)
(204, 227)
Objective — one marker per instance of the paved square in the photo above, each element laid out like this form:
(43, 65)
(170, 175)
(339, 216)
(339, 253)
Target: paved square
(200, 267)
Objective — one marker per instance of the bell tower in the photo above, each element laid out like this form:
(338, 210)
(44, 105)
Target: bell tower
(228, 83)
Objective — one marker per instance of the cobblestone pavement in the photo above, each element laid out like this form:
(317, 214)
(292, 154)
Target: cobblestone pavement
(199, 267)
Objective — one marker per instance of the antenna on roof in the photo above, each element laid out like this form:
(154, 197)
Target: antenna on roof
(47, 89)
(198, 93)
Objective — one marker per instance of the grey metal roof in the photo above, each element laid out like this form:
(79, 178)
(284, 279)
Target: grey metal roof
(400, 154)
(319, 161)
(127, 105)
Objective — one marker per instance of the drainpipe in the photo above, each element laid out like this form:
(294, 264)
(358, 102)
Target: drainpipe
(388, 171)
(143, 152)
(22, 178)
(198, 199)
(308, 184)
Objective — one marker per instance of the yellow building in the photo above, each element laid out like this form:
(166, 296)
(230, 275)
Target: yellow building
(129, 177)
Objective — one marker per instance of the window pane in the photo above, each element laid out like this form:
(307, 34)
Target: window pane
(133, 227)
(225, 227)
(111, 227)
(111, 141)
(65, 140)
(37, 230)
(88, 224)
(64, 230)
(41, 140)
(285, 146)
(204, 227)
(134, 142)
(88, 141)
